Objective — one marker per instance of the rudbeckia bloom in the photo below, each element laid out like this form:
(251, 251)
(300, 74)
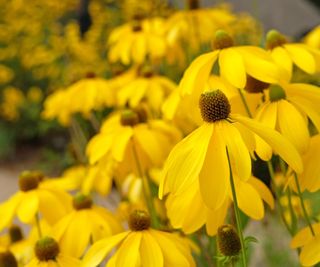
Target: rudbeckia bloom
(133, 42)
(286, 54)
(85, 222)
(312, 39)
(33, 198)
(286, 108)
(235, 62)
(129, 131)
(189, 212)
(140, 246)
(202, 154)
(47, 252)
(309, 255)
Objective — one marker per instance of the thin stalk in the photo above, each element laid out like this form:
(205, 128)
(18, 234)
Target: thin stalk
(304, 210)
(38, 225)
(145, 188)
(237, 213)
(245, 103)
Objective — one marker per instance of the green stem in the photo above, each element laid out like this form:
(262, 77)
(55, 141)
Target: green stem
(292, 213)
(245, 103)
(304, 210)
(237, 213)
(38, 225)
(278, 196)
(146, 188)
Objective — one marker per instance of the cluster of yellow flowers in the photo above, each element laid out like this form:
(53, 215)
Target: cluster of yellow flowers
(192, 102)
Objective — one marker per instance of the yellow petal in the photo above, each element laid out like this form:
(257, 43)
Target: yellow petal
(238, 152)
(249, 200)
(185, 160)
(28, 206)
(66, 261)
(198, 72)
(310, 253)
(263, 191)
(8, 210)
(282, 58)
(304, 236)
(128, 254)
(301, 57)
(172, 256)
(151, 254)
(216, 218)
(139, 49)
(293, 126)
(232, 67)
(120, 143)
(98, 146)
(278, 143)
(214, 175)
(100, 249)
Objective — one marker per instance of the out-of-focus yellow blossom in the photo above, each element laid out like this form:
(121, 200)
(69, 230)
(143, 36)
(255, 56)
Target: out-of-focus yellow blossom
(6, 74)
(286, 108)
(12, 100)
(33, 198)
(309, 255)
(235, 63)
(129, 136)
(141, 246)
(86, 222)
(286, 54)
(313, 38)
(148, 87)
(34, 94)
(189, 212)
(48, 254)
(136, 41)
(86, 95)
(296, 206)
(203, 153)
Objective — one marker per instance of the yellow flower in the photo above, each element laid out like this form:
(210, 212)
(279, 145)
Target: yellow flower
(148, 88)
(201, 156)
(12, 100)
(313, 38)
(32, 198)
(286, 54)
(6, 74)
(141, 246)
(310, 244)
(133, 42)
(48, 254)
(34, 94)
(189, 212)
(130, 132)
(85, 222)
(286, 108)
(235, 63)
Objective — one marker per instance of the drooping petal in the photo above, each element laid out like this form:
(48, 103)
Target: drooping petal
(198, 72)
(216, 218)
(100, 249)
(28, 207)
(8, 209)
(302, 57)
(185, 160)
(279, 144)
(232, 67)
(310, 253)
(120, 143)
(151, 254)
(283, 59)
(214, 175)
(263, 191)
(293, 126)
(238, 152)
(128, 254)
(304, 236)
(64, 261)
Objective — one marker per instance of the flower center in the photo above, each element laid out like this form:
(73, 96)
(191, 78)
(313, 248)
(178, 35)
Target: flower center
(29, 180)
(139, 220)
(276, 93)
(81, 202)
(214, 106)
(90, 75)
(7, 259)
(193, 4)
(255, 86)
(274, 39)
(228, 240)
(222, 40)
(46, 249)
(15, 233)
(129, 118)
